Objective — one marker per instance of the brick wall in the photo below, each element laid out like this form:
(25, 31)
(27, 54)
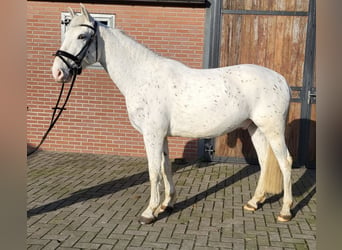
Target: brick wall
(96, 119)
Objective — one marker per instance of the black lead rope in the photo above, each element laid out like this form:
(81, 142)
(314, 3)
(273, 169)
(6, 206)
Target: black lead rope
(55, 117)
(76, 69)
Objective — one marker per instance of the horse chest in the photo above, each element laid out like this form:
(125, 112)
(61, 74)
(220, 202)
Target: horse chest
(145, 110)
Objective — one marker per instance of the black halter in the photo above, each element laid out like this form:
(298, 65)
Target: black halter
(77, 59)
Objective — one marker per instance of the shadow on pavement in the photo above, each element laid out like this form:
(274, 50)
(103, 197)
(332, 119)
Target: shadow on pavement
(305, 183)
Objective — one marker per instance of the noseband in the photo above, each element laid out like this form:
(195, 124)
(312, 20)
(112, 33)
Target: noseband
(77, 59)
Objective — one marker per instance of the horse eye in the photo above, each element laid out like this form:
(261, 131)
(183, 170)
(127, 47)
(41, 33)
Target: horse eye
(82, 36)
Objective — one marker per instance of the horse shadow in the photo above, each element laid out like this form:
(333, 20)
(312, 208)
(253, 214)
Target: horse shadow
(140, 178)
(236, 177)
(97, 191)
(306, 182)
(301, 187)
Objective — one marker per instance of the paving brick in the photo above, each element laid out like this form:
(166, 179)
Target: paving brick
(173, 247)
(85, 201)
(201, 241)
(219, 244)
(87, 245)
(106, 247)
(53, 244)
(105, 241)
(210, 248)
(72, 238)
(187, 244)
(311, 244)
(270, 248)
(154, 245)
(120, 237)
(170, 240)
(40, 242)
(137, 240)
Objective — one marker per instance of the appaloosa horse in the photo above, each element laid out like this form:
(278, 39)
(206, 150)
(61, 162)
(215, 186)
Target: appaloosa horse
(166, 98)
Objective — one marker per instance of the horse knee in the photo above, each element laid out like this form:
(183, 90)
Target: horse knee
(155, 175)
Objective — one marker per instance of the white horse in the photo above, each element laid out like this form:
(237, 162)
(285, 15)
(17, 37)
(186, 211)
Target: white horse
(166, 98)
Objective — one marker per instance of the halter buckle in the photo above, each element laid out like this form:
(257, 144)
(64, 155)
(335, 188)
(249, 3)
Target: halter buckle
(79, 70)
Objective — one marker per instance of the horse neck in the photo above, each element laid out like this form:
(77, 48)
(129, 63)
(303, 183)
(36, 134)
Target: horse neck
(123, 58)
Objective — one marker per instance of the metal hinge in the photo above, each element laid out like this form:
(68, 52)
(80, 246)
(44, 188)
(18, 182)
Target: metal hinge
(312, 96)
(209, 151)
(66, 21)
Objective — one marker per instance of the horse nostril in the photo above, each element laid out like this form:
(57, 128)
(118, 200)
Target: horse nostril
(60, 74)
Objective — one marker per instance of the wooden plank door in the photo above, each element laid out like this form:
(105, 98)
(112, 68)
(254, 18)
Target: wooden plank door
(272, 34)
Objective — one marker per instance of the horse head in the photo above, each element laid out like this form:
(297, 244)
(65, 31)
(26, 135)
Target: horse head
(79, 48)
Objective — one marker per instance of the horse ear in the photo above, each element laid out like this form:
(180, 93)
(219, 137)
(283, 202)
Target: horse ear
(71, 11)
(85, 12)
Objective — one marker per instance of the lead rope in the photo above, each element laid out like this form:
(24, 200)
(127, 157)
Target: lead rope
(76, 71)
(55, 117)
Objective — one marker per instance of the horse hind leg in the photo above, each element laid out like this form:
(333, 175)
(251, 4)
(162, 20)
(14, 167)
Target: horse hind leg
(274, 134)
(270, 179)
(285, 163)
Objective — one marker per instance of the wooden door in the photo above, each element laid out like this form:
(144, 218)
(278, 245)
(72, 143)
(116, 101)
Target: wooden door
(272, 34)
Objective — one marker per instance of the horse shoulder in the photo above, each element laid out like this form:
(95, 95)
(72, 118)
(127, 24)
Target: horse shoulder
(147, 104)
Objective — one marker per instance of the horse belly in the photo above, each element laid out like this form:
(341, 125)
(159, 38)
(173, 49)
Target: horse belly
(206, 122)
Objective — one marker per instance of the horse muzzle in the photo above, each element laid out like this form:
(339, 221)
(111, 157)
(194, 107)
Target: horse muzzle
(62, 75)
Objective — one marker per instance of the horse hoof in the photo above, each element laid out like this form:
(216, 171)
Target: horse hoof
(284, 218)
(146, 221)
(249, 207)
(166, 209)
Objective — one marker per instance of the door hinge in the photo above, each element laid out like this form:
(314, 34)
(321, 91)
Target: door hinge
(312, 96)
(209, 151)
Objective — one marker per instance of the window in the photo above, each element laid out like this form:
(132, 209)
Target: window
(107, 19)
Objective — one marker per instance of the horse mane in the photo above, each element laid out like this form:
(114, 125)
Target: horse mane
(133, 43)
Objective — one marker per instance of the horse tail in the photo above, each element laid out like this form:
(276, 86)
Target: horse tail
(273, 178)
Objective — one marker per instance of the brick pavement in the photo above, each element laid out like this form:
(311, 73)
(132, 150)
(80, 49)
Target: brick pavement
(87, 201)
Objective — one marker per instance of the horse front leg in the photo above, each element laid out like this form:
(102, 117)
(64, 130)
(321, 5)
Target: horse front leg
(154, 149)
(170, 193)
